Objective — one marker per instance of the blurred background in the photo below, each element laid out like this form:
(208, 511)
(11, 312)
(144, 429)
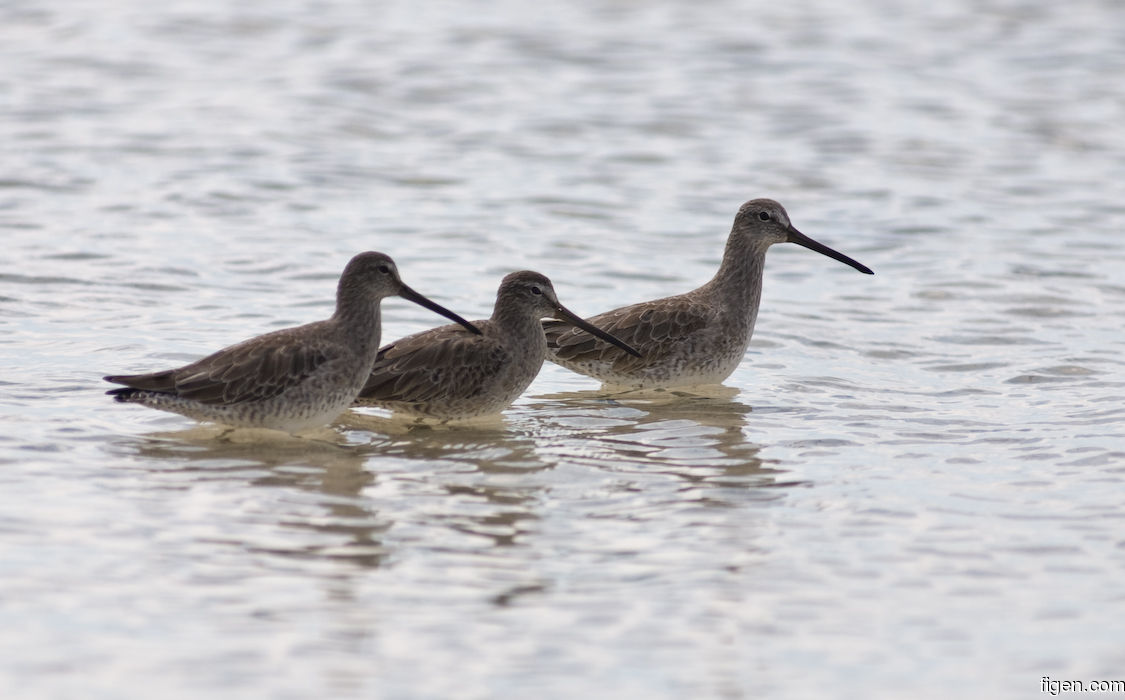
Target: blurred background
(912, 484)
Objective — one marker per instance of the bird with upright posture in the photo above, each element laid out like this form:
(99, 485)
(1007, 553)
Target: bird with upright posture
(448, 374)
(694, 338)
(292, 379)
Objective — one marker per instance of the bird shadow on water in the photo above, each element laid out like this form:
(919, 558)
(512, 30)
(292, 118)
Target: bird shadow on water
(694, 434)
(338, 499)
(486, 472)
(318, 483)
(367, 488)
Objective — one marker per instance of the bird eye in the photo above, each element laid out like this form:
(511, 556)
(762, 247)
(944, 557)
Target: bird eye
(764, 215)
(385, 269)
(536, 290)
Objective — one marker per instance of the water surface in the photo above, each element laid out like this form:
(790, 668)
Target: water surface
(913, 482)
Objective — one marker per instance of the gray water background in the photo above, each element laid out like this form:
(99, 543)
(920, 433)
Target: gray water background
(912, 487)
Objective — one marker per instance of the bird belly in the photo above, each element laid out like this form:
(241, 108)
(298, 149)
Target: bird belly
(300, 408)
(686, 366)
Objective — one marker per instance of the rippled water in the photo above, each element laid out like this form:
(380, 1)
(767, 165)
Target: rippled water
(913, 484)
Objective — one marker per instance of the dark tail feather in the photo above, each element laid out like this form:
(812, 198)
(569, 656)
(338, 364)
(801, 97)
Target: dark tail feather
(124, 394)
(137, 384)
(154, 381)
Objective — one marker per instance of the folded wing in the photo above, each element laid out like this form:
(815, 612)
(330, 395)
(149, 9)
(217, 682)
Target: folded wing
(247, 372)
(434, 365)
(653, 328)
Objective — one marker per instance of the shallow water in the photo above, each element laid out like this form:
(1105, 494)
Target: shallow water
(914, 482)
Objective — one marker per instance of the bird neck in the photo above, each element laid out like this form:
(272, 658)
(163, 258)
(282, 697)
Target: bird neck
(516, 321)
(739, 279)
(362, 317)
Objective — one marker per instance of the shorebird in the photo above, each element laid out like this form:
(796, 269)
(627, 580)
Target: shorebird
(292, 379)
(694, 338)
(448, 374)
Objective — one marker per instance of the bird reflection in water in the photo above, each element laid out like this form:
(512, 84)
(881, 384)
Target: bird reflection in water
(694, 434)
(362, 490)
(337, 523)
(371, 490)
(487, 473)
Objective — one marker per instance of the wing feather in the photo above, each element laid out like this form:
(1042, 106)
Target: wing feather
(445, 362)
(255, 370)
(653, 327)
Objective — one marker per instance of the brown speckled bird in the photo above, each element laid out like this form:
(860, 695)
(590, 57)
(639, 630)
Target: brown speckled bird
(449, 374)
(693, 338)
(292, 379)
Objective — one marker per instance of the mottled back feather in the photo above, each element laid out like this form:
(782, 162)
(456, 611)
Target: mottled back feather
(427, 366)
(653, 327)
(255, 370)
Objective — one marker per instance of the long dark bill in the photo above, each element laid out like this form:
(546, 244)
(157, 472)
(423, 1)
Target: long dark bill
(801, 239)
(411, 295)
(569, 316)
